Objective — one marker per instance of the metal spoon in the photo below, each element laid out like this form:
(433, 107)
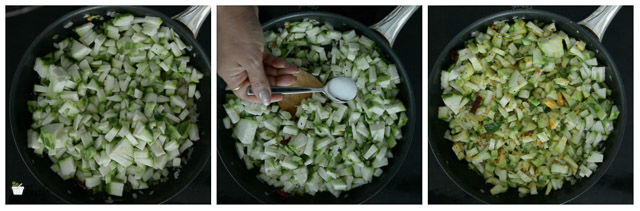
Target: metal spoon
(326, 89)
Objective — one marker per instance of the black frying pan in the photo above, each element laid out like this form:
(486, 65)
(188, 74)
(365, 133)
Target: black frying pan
(267, 194)
(473, 183)
(20, 118)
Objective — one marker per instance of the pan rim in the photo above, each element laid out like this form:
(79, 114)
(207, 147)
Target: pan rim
(596, 45)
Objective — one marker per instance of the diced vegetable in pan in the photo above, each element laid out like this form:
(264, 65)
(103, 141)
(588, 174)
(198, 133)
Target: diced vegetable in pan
(116, 104)
(324, 146)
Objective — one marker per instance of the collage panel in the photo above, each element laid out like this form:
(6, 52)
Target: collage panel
(346, 127)
(108, 104)
(530, 105)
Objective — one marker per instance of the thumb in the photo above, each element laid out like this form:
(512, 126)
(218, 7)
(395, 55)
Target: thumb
(259, 81)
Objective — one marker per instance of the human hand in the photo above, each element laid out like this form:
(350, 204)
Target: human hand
(242, 59)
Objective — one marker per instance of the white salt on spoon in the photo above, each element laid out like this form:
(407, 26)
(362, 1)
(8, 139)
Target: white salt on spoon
(343, 89)
(339, 89)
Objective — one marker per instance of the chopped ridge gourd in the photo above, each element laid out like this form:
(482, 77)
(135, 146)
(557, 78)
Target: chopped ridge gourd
(115, 105)
(323, 146)
(541, 108)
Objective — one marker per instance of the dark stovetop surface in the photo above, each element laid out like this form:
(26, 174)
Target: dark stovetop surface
(21, 31)
(406, 186)
(616, 186)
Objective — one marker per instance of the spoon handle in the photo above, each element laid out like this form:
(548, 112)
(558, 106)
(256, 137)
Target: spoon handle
(289, 90)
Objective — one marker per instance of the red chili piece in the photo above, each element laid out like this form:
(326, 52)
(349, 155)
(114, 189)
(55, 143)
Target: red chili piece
(282, 193)
(453, 55)
(285, 141)
(476, 104)
(81, 184)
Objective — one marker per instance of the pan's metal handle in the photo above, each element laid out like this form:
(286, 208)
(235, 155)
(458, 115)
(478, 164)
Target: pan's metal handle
(391, 25)
(289, 90)
(599, 20)
(193, 17)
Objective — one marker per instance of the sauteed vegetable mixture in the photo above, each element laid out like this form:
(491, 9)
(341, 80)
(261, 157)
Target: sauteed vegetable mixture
(527, 107)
